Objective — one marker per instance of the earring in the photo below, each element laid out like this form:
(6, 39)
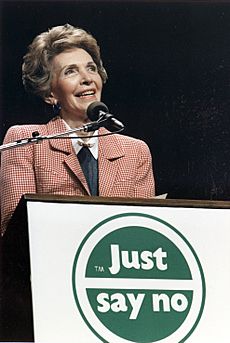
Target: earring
(56, 108)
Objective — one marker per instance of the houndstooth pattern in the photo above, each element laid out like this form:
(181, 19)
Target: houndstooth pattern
(51, 167)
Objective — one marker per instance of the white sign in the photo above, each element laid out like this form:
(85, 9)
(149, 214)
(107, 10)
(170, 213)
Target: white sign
(115, 273)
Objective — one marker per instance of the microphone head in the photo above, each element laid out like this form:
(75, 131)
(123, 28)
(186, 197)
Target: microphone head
(93, 110)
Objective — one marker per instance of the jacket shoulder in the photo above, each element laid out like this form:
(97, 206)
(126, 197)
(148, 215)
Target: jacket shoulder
(128, 140)
(16, 132)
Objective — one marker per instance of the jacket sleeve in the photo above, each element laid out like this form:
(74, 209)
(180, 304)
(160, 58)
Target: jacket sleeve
(17, 173)
(145, 183)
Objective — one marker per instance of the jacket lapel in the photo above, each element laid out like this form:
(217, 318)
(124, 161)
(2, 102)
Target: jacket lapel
(54, 126)
(110, 151)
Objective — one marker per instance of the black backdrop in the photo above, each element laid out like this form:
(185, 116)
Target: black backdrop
(168, 66)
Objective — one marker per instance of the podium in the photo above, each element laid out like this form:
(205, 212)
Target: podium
(92, 269)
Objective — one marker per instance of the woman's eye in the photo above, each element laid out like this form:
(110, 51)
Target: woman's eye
(93, 68)
(70, 71)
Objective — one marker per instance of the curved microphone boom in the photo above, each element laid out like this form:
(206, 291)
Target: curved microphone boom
(98, 111)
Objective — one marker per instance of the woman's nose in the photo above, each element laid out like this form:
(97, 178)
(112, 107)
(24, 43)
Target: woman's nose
(86, 78)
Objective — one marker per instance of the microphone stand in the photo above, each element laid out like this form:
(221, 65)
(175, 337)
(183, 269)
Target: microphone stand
(36, 138)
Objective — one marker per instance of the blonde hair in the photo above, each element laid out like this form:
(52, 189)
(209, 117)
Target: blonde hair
(36, 68)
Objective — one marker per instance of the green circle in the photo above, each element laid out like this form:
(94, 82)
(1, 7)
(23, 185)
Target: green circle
(149, 325)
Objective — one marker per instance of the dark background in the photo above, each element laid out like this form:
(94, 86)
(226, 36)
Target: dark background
(169, 68)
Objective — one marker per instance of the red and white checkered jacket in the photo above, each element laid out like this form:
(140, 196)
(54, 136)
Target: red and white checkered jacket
(52, 167)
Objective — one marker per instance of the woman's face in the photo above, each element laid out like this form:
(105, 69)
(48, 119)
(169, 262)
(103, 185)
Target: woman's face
(76, 83)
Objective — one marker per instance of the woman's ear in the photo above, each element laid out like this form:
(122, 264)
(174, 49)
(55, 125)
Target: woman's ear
(51, 99)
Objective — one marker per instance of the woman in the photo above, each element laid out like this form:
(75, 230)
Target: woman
(64, 67)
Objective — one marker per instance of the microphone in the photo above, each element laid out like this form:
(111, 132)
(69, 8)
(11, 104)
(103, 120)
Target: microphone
(99, 112)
